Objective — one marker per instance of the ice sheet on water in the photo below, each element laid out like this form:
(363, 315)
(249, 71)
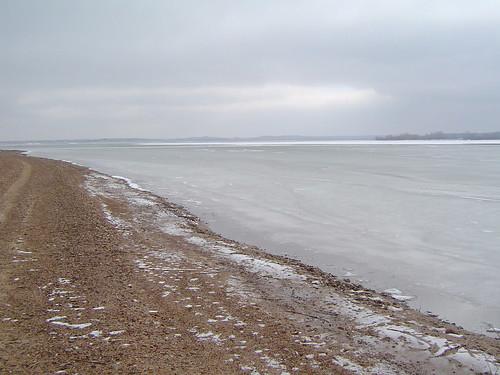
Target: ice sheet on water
(308, 195)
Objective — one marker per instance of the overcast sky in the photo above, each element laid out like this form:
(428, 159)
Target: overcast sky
(159, 68)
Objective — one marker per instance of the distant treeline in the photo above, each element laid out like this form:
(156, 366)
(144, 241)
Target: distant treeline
(441, 135)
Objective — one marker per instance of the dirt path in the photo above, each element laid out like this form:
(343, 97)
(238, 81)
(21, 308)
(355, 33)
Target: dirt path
(67, 276)
(96, 277)
(8, 198)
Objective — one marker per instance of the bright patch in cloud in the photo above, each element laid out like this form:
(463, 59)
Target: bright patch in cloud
(272, 97)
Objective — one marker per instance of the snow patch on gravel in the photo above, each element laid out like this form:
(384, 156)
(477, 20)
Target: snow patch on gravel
(140, 201)
(115, 333)
(130, 183)
(209, 336)
(70, 325)
(113, 220)
(54, 318)
(252, 264)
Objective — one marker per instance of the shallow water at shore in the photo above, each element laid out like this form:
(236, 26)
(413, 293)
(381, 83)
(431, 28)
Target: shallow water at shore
(422, 218)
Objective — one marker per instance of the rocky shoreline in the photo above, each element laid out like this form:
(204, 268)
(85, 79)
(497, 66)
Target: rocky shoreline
(125, 281)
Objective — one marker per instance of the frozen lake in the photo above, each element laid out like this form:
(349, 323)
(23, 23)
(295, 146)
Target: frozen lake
(424, 219)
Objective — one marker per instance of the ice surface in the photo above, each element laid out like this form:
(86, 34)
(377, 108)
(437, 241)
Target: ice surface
(420, 216)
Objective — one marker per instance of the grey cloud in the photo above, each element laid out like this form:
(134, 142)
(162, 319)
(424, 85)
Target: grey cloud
(434, 63)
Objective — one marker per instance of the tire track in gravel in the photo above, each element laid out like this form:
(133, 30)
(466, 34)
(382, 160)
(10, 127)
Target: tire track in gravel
(9, 197)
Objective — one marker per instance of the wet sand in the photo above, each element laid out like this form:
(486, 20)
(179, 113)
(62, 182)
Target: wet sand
(98, 277)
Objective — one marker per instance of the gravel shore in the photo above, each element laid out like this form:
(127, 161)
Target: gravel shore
(99, 277)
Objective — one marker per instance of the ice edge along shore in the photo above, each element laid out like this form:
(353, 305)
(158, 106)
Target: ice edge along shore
(444, 345)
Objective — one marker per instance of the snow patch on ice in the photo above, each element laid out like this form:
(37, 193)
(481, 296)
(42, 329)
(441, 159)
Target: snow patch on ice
(402, 298)
(393, 291)
(479, 362)
(397, 294)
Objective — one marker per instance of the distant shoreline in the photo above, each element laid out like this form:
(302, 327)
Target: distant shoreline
(467, 136)
(282, 139)
(387, 142)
